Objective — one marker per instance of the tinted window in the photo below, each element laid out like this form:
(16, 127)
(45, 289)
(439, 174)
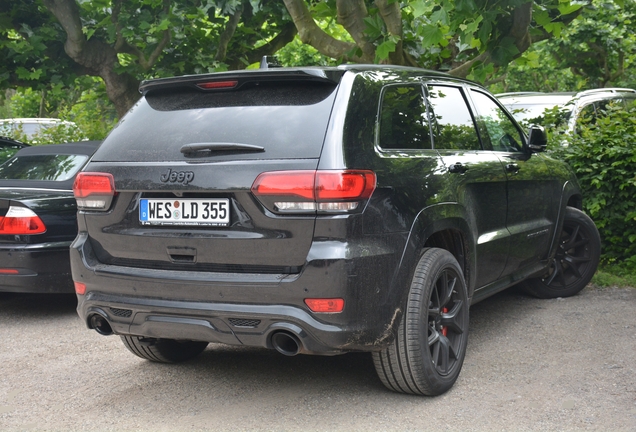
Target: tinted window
(7, 150)
(288, 119)
(498, 132)
(403, 119)
(453, 126)
(42, 167)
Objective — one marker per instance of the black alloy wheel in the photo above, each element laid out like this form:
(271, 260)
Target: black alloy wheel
(428, 352)
(445, 322)
(575, 261)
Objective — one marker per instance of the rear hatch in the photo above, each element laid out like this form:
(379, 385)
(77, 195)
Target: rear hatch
(184, 160)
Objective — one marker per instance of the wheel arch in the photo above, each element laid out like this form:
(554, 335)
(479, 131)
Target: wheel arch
(570, 197)
(443, 226)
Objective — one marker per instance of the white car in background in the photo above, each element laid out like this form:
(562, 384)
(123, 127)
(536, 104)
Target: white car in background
(529, 107)
(31, 127)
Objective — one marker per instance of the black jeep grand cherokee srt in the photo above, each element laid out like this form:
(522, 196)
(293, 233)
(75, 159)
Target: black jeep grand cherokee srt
(321, 211)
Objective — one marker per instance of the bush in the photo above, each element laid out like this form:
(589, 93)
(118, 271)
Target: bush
(603, 155)
(85, 104)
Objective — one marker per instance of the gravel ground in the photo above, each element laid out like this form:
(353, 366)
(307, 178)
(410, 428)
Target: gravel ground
(544, 365)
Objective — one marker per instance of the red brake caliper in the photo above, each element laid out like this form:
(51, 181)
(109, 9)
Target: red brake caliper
(444, 328)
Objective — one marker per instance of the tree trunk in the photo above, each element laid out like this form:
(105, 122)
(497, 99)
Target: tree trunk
(96, 57)
(351, 14)
(313, 35)
(518, 30)
(286, 35)
(392, 17)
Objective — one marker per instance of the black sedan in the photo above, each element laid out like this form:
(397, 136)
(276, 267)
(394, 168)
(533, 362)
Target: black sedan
(38, 219)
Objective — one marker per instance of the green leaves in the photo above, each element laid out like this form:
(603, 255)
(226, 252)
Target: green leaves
(603, 156)
(384, 49)
(431, 35)
(420, 7)
(566, 7)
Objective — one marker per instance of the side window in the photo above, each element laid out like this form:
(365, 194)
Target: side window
(404, 119)
(497, 130)
(452, 124)
(590, 114)
(586, 117)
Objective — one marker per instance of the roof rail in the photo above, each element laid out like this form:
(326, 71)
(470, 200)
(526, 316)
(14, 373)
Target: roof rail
(605, 90)
(520, 93)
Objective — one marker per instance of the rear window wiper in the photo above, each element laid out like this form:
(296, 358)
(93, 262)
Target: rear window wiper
(220, 147)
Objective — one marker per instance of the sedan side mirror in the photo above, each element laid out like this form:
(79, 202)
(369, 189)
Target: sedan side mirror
(537, 138)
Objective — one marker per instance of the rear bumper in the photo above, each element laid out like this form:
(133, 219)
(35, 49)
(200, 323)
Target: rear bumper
(231, 324)
(39, 268)
(247, 309)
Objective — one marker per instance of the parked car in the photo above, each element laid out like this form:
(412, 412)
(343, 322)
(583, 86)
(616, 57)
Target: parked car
(8, 147)
(530, 107)
(38, 217)
(321, 211)
(30, 127)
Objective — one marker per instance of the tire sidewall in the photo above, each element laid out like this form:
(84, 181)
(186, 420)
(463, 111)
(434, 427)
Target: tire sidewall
(416, 319)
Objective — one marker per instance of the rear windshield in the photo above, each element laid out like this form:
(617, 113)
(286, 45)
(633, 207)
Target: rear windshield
(288, 119)
(49, 167)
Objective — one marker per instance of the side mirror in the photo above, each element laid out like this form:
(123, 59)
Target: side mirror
(537, 138)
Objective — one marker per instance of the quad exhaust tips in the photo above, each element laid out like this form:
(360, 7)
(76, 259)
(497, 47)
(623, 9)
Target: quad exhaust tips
(100, 325)
(286, 343)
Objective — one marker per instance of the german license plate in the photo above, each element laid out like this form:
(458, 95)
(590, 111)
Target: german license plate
(213, 212)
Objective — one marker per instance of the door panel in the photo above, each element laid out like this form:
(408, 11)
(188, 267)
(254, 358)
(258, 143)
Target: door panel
(475, 178)
(532, 192)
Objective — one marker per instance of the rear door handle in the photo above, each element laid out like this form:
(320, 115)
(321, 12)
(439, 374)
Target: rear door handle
(458, 168)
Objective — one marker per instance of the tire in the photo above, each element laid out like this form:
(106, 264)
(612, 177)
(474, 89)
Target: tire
(163, 350)
(428, 352)
(575, 261)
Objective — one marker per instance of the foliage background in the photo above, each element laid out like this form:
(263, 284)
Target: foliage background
(595, 49)
(603, 155)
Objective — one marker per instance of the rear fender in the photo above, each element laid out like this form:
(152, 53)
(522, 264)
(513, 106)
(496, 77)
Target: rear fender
(570, 197)
(446, 217)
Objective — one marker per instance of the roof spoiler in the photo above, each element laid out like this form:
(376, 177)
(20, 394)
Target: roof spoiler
(270, 74)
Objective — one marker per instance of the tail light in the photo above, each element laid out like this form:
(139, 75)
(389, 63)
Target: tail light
(341, 191)
(21, 221)
(94, 191)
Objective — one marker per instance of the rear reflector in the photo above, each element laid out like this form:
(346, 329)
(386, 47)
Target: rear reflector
(94, 191)
(8, 271)
(329, 305)
(21, 221)
(217, 85)
(80, 288)
(310, 191)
